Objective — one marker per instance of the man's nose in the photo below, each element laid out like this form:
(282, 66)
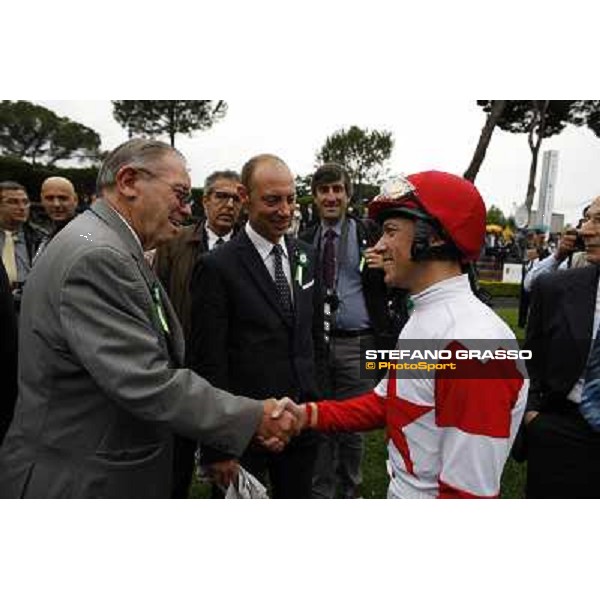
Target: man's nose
(379, 246)
(185, 209)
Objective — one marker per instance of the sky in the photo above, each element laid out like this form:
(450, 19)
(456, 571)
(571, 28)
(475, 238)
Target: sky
(428, 134)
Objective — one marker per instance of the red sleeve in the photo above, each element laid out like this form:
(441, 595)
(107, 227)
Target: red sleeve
(354, 414)
(448, 492)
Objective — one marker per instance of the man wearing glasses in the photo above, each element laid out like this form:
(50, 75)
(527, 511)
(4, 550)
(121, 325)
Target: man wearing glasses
(174, 264)
(19, 240)
(101, 384)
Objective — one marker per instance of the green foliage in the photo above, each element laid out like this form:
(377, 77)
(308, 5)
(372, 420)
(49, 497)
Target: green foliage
(495, 216)
(500, 288)
(167, 117)
(519, 115)
(32, 176)
(362, 152)
(29, 131)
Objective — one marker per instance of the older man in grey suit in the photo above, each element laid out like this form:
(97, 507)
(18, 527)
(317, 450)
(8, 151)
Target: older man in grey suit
(101, 388)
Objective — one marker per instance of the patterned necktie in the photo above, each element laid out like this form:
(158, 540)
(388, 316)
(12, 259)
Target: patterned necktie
(8, 256)
(589, 407)
(329, 259)
(281, 282)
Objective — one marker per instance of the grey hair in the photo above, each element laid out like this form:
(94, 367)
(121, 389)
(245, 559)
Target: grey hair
(136, 153)
(209, 182)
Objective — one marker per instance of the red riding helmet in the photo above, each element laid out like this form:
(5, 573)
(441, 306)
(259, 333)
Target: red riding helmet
(451, 201)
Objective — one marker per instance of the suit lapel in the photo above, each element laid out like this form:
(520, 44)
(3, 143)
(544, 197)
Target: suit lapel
(257, 270)
(579, 303)
(172, 339)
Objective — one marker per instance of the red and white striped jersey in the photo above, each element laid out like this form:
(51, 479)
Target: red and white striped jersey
(448, 437)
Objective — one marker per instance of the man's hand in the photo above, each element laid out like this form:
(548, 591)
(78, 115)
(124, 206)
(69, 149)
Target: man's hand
(279, 423)
(566, 245)
(374, 258)
(224, 472)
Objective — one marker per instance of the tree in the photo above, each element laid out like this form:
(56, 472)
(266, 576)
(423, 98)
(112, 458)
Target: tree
(167, 117)
(539, 119)
(494, 115)
(361, 152)
(30, 131)
(495, 216)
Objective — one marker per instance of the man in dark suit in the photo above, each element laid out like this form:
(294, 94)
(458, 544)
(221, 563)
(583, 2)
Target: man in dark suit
(174, 265)
(19, 238)
(8, 353)
(356, 316)
(100, 350)
(252, 319)
(562, 450)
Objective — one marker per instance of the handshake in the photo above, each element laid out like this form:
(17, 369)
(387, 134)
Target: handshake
(282, 420)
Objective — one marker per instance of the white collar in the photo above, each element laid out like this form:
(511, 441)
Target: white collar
(453, 286)
(213, 238)
(263, 245)
(135, 235)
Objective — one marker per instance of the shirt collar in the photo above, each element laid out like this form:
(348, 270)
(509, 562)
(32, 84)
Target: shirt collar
(213, 237)
(262, 245)
(337, 228)
(453, 286)
(135, 235)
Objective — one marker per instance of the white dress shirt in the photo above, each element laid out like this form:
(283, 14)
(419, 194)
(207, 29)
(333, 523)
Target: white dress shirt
(264, 248)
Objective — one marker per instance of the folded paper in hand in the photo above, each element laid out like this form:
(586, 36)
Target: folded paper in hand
(246, 487)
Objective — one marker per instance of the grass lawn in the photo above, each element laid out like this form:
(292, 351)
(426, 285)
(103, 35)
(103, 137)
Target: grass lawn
(375, 479)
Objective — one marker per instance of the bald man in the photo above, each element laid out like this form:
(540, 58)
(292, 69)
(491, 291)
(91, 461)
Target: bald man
(59, 200)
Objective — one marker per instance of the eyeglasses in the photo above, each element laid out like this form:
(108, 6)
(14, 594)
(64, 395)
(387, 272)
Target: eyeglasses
(222, 197)
(182, 193)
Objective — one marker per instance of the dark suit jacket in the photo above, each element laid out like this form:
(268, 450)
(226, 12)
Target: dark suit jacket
(8, 353)
(174, 265)
(241, 339)
(387, 310)
(559, 333)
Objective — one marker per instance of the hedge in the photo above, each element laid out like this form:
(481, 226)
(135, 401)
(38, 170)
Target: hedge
(501, 289)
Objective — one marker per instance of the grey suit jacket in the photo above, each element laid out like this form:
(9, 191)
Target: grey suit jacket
(100, 391)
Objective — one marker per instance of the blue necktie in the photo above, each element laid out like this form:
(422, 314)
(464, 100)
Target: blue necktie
(589, 406)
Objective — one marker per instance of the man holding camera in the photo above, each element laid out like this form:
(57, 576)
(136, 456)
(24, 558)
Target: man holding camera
(569, 253)
(356, 313)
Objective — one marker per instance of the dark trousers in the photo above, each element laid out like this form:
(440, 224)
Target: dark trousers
(563, 456)
(183, 466)
(289, 472)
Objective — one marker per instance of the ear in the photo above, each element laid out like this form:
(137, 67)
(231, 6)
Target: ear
(436, 240)
(125, 182)
(244, 194)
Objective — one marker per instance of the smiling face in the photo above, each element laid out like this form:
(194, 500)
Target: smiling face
(154, 197)
(590, 231)
(394, 247)
(222, 205)
(271, 199)
(332, 200)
